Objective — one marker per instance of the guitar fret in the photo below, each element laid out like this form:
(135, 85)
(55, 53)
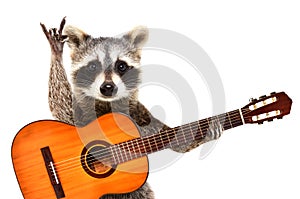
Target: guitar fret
(165, 138)
(201, 133)
(228, 117)
(162, 141)
(184, 138)
(143, 143)
(154, 140)
(131, 149)
(175, 136)
(149, 146)
(192, 137)
(241, 115)
(129, 152)
(170, 135)
(116, 154)
(237, 118)
(234, 120)
(121, 153)
(113, 155)
(119, 158)
(197, 134)
(138, 147)
(169, 141)
(124, 153)
(207, 124)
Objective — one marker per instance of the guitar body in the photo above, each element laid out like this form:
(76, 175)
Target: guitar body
(55, 160)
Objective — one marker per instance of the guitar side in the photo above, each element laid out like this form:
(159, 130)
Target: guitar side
(65, 175)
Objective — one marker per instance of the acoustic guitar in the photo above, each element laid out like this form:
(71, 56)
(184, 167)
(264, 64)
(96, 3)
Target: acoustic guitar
(55, 160)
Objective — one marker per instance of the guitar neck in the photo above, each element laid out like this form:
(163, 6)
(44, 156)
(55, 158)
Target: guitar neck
(181, 135)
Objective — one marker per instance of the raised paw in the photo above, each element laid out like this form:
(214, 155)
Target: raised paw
(55, 37)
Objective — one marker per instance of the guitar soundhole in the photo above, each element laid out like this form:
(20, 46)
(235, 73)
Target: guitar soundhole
(96, 159)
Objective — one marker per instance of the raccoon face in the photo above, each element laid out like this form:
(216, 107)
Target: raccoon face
(108, 68)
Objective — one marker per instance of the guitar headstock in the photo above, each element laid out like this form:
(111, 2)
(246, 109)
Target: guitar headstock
(266, 108)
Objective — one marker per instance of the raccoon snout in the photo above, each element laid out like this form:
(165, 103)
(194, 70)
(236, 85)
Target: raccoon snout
(108, 89)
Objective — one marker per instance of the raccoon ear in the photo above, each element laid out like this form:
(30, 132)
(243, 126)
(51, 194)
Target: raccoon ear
(138, 36)
(76, 37)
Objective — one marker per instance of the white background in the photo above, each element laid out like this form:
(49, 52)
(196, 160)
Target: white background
(254, 45)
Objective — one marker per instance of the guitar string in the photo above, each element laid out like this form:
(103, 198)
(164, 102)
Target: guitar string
(100, 152)
(125, 153)
(169, 130)
(162, 138)
(180, 138)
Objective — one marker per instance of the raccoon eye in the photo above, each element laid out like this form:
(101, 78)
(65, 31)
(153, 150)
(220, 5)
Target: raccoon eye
(92, 67)
(121, 66)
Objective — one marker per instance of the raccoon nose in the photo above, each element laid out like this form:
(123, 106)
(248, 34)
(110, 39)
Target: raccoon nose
(108, 89)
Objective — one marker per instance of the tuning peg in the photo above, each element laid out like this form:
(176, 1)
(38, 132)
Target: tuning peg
(263, 96)
(260, 122)
(273, 93)
(280, 117)
(270, 120)
(252, 99)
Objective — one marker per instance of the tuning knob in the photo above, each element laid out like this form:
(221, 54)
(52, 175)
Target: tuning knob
(260, 122)
(273, 93)
(279, 118)
(263, 96)
(252, 99)
(270, 120)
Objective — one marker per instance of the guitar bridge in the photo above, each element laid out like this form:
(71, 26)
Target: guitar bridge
(49, 163)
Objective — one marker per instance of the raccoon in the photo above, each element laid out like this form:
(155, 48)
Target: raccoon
(105, 78)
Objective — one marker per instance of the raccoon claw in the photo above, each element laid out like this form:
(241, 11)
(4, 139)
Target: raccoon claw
(55, 37)
(214, 131)
(58, 35)
(62, 24)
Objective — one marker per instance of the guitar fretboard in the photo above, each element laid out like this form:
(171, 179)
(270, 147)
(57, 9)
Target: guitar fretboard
(181, 135)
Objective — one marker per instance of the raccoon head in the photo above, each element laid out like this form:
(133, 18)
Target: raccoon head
(106, 68)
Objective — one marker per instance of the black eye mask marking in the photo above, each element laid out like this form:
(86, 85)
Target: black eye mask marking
(129, 75)
(131, 78)
(86, 75)
(121, 67)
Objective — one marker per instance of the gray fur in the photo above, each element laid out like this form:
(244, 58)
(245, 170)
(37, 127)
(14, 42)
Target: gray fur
(79, 109)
